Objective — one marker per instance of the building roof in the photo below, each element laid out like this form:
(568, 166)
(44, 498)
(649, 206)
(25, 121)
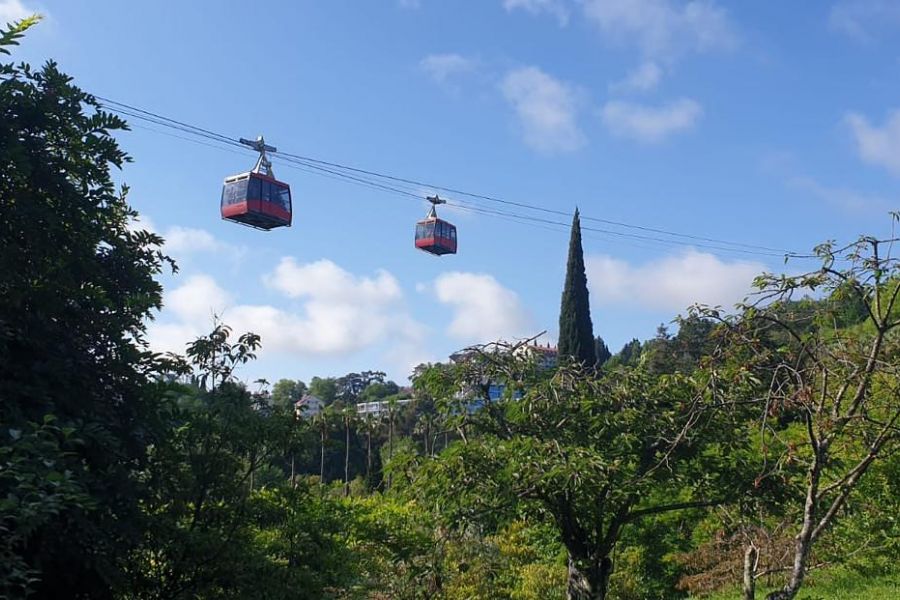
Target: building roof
(545, 349)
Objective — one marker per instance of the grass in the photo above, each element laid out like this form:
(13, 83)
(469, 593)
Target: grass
(837, 585)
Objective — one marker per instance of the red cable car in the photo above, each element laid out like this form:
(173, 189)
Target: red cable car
(256, 198)
(434, 235)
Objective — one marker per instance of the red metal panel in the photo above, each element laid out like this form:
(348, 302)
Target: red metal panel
(275, 210)
(232, 210)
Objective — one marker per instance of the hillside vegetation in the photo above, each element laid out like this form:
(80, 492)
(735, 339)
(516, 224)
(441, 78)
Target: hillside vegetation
(745, 454)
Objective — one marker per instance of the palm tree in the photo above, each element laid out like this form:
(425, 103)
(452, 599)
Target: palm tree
(348, 415)
(368, 426)
(323, 422)
(392, 406)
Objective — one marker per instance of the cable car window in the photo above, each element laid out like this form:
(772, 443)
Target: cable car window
(234, 192)
(452, 233)
(253, 191)
(284, 197)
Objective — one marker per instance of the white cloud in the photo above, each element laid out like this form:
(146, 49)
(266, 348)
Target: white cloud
(672, 283)
(339, 313)
(182, 243)
(877, 145)
(142, 222)
(663, 29)
(324, 280)
(642, 79)
(862, 19)
(188, 240)
(786, 167)
(483, 310)
(13, 10)
(546, 108)
(650, 123)
(441, 67)
(187, 313)
(555, 8)
(844, 198)
(199, 299)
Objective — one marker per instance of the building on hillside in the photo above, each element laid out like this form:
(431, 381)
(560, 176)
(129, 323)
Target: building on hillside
(378, 408)
(308, 406)
(545, 357)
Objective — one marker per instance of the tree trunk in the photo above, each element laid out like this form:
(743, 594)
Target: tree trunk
(805, 538)
(322, 460)
(347, 457)
(588, 578)
(293, 472)
(750, 561)
(390, 445)
(368, 454)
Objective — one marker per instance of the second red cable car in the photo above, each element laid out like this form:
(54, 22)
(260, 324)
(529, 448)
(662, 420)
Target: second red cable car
(434, 235)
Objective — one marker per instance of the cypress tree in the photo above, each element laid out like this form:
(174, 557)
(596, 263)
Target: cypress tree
(602, 351)
(576, 332)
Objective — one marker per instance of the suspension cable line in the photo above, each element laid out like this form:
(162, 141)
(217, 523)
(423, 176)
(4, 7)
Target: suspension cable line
(412, 188)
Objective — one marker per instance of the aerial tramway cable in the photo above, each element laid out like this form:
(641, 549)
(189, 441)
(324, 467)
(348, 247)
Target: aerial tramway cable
(413, 189)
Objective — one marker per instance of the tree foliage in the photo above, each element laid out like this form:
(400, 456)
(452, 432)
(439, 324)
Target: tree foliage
(592, 456)
(576, 332)
(76, 290)
(286, 392)
(755, 445)
(829, 385)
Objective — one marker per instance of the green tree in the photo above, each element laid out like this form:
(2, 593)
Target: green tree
(576, 332)
(348, 419)
(828, 397)
(629, 355)
(351, 386)
(212, 533)
(324, 388)
(602, 351)
(369, 427)
(77, 285)
(286, 392)
(393, 407)
(379, 391)
(322, 423)
(592, 456)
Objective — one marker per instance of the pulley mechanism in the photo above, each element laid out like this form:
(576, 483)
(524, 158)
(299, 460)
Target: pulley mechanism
(263, 162)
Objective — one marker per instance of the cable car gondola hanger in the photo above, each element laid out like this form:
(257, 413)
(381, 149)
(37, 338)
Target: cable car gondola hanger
(434, 235)
(255, 198)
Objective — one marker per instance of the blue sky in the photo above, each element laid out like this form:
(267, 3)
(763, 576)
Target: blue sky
(766, 123)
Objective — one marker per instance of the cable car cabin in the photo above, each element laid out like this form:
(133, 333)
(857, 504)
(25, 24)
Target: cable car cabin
(256, 200)
(436, 236)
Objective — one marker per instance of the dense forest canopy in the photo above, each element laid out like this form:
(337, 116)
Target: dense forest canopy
(751, 448)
